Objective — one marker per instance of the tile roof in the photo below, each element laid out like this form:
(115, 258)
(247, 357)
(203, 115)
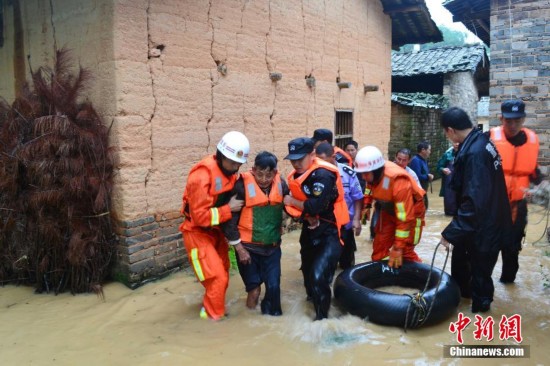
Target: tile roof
(424, 100)
(475, 14)
(411, 22)
(440, 60)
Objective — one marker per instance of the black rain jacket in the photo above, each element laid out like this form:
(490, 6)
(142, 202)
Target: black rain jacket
(483, 218)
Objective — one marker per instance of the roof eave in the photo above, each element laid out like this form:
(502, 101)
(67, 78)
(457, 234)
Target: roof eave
(411, 22)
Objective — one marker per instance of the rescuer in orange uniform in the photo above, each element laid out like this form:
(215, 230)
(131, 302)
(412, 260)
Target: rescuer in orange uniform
(206, 204)
(255, 232)
(317, 198)
(519, 148)
(399, 227)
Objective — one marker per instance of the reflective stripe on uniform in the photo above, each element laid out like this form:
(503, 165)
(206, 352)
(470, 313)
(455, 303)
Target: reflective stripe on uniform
(402, 234)
(215, 220)
(417, 229)
(401, 213)
(197, 264)
(251, 190)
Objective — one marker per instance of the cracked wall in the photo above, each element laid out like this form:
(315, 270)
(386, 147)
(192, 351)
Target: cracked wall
(84, 26)
(211, 75)
(175, 75)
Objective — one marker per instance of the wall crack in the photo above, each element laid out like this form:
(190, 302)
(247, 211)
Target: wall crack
(150, 65)
(267, 35)
(53, 26)
(213, 83)
(270, 69)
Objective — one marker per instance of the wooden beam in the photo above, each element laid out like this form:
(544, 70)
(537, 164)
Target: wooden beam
(483, 24)
(402, 9)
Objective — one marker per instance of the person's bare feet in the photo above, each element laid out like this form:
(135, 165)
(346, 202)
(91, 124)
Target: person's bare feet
(252, 298)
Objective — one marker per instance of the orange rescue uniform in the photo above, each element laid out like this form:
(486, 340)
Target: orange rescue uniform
(518, 162)
(401, 215)
(207, 248)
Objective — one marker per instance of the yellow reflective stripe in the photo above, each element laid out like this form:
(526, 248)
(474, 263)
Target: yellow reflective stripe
(367, 190)
(197, 264)
(401, 213)
(417, 231)
(386, 258)
(402, 234)
(215, 220)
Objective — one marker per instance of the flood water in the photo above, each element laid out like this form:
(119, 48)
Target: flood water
(159, 324)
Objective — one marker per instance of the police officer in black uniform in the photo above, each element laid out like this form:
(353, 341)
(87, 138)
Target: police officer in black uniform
(314, 191)
(479, 229)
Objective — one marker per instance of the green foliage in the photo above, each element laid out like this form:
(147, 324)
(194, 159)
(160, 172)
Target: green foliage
(451, 37)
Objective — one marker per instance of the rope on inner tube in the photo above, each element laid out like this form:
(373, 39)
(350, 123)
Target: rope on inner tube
(421, 312)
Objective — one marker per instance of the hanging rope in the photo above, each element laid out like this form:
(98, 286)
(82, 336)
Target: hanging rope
(545, 231)
(420, 311)
(510, 38)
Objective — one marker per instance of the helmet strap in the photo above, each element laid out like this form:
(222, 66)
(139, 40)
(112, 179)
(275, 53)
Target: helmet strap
(377, 174)
(219, 161)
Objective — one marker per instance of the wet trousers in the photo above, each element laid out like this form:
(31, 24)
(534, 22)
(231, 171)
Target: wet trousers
(472, 271)
(347, 258)
(385, 238)
(450, 206)
(319, 260)
(510, 254)
(267, 270)
(207, 251)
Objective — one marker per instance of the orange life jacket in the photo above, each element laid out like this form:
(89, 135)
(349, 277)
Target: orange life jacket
(345, 154)
(262, 215)
(295, 185)
(383, 191)
(219, 184)
(518, 162)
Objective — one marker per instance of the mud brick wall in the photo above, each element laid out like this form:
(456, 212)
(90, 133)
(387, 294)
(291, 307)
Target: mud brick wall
(189, 71)
(172, 76)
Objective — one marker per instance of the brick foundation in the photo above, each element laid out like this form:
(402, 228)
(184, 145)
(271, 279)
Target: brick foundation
(148, 248)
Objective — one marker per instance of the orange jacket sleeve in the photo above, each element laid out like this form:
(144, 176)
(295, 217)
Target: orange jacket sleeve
(201, 203)
(404, 211)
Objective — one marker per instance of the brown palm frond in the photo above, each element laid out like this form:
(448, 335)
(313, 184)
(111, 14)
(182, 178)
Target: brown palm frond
(56, 175)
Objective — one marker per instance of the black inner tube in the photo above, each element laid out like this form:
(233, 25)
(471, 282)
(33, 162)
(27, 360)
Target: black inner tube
(355, 292)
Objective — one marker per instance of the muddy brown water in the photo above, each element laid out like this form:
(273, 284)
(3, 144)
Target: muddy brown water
(158, 323)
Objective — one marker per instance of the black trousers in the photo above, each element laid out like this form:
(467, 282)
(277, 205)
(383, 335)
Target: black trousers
(347, 258)
(510, 254)
(472, 271)
(320, 255)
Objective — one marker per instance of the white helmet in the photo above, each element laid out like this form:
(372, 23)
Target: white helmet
(368, 159)
(234, 146)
